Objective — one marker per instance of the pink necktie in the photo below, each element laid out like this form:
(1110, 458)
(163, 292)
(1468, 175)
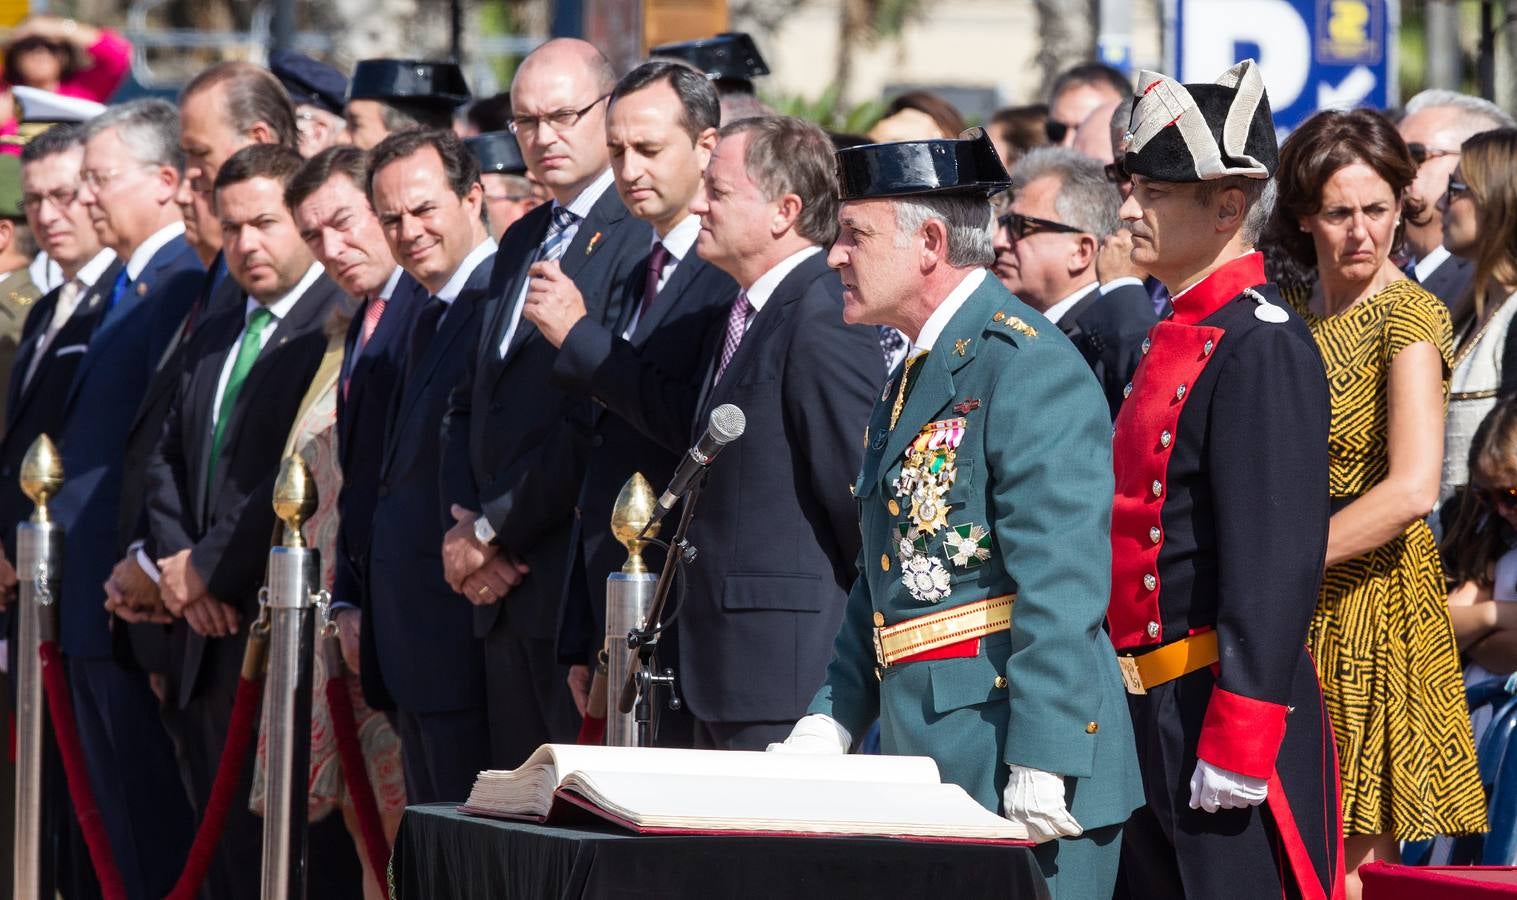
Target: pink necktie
(737, 326)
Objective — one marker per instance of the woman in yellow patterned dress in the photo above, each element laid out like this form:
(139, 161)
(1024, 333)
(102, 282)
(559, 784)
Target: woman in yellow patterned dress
(1381, 635)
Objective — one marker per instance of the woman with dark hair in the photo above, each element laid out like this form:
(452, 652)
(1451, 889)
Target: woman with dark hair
(916, 116)
(1478, 210)
(1380, 636)
(67, 57)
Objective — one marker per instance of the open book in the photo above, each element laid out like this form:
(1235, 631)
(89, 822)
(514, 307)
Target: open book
(659, 791)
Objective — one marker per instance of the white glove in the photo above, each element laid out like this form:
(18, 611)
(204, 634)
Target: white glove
(1212, 789)
(1035, 798)
(815, 735)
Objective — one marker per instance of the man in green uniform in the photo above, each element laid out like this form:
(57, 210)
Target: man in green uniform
(974, 630)
(17, 292)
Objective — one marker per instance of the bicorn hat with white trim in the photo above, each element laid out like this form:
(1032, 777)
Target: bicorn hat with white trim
(1200, 132)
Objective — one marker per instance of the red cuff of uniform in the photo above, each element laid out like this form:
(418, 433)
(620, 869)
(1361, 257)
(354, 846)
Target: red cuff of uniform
(1241, 734)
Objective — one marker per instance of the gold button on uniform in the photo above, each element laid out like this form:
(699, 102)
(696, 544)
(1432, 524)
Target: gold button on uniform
(998, 317)
(1000, 681)
(1092, 728)
(879, 620)
(885, 562)
(894, 507)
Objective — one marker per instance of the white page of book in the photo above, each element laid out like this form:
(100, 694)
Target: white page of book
(702, 802)
(567, 758)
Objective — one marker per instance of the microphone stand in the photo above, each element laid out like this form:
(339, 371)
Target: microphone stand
(642, 681)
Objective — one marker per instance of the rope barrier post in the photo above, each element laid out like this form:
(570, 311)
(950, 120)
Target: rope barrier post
(39, 558)
(629, 593)
(290, 599)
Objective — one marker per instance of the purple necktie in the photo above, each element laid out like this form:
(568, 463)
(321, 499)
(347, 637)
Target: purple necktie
(737, 326)
(656, 262)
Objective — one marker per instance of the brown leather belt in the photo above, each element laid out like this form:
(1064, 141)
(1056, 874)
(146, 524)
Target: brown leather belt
(1171, 661)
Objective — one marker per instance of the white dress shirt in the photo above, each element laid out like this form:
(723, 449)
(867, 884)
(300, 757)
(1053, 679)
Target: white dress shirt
(145, 250)
(280, 308)
(678, 242)
(933, 327)
(1056, 312)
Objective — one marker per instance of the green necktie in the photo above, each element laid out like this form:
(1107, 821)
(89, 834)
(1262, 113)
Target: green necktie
(247, 354)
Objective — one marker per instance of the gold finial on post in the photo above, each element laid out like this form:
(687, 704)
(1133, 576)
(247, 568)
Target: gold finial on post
(41, 475)
(294, 498)
(633, 510)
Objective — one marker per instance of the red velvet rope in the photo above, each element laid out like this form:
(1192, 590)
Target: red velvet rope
(233, 756)
(60, 708)
(355, 775)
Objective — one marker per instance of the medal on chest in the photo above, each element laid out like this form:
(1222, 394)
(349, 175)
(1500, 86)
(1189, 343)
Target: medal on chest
(928, 471)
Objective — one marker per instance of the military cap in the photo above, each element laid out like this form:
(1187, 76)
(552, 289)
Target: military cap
(309, 82)
(966, 165)
(38, 110)
(10, 187)
(729, 56)
(1201, 132)
(414, 81)
(498, 152)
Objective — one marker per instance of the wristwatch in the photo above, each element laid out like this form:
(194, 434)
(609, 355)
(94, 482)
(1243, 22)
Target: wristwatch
(484, 532)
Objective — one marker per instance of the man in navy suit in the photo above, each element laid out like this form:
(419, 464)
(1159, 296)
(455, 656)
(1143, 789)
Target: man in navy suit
(129, 180)
(329, 200)
(1062, 209)
(661, 128)
(508, 447)
(211, 477)
(419, 633)
(776, 529)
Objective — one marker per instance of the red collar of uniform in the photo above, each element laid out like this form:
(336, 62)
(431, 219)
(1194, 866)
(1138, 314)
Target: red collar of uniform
(1210, 293)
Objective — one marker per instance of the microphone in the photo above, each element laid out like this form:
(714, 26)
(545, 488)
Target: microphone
(726, 425)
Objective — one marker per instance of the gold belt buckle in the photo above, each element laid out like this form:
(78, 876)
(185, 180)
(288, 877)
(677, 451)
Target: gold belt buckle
(879, 653)
(1130, 675)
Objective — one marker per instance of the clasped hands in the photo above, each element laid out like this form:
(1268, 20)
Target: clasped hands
(482, 573)
(180, 593)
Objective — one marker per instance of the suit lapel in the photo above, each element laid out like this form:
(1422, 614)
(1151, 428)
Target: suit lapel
(306, 313)
(586, 248)
(1069, 323)
(202, 402)
(110, 319)
(684, 274)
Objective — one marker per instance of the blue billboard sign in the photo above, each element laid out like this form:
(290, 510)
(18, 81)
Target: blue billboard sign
(1313, 54)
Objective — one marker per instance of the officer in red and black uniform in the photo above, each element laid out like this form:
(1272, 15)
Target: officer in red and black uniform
(1219, 526)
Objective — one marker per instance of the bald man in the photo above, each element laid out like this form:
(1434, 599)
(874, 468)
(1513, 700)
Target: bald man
(511, 467)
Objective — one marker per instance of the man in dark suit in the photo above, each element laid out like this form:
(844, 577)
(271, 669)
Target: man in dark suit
(328, 198)
(223, 109)
(508, 450)
(661, 128)
(776, 528)
(1062, 208)
(1436, 123)
(418, 633)
(211, 477)
(129, 180)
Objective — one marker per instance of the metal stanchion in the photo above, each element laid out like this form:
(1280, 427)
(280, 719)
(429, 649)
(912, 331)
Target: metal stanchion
(290, 600)
(39, 563)
(628, 595)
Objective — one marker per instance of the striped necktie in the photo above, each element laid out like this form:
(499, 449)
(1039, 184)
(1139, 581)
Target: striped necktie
(738, 321)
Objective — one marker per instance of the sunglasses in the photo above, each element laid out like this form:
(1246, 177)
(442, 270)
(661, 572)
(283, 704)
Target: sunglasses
(1502, 497)
(1116, 172)
(1056, 130)
(1421, 153)
(1020, 226)
(1456, 188)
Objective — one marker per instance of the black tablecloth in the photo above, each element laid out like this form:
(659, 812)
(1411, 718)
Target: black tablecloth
(441, 853)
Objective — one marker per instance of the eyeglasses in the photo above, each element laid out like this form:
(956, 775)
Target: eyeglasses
(97, 181)
(1456, 188)
(1116, 172)
(1421, 153)
(560, 121)
(1020, 226)
(1056, 130)
(61, 199)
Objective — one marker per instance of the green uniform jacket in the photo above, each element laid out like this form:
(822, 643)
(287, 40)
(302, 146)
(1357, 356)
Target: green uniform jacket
(1033, 472)
(17, 296)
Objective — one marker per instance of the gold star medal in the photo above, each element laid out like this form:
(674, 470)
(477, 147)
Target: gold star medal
(929, 507)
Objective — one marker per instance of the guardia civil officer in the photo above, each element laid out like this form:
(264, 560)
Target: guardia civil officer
(974, 629)
(1219, 529)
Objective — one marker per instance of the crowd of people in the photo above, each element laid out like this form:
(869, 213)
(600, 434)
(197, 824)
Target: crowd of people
(1225, 541)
